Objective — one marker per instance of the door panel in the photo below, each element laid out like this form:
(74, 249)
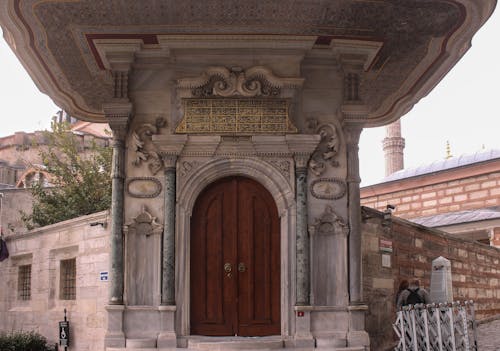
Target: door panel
(235, 222)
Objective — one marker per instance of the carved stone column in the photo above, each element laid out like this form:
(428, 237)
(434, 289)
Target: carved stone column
(302, 237)
(168, 243)
(118, 116)
(352, 133)
(169, 147)
(356, 336)
(302, 147)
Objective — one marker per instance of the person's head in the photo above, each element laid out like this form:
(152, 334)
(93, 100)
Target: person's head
(403, 285)
(415, 282)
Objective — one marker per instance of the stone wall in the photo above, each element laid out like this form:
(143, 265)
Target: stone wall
(83, 238)
(474, 267)
(416, 199)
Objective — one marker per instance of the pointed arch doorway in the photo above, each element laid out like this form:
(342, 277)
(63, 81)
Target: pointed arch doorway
(235, 260)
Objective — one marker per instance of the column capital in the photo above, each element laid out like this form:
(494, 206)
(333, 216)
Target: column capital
(118, 115)
(302, 146)
(169, 160)
(354, 113)
(352, 132)
(301, 161)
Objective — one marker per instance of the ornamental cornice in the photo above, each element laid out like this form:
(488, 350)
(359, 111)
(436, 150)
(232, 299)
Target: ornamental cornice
(235, 81)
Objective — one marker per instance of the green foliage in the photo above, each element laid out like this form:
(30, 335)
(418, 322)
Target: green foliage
(23, 341)
(81, 181)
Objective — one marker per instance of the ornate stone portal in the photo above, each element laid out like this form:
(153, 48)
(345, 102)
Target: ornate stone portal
(168, 57)
(238, 122)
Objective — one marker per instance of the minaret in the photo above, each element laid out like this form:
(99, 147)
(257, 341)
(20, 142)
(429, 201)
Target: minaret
(393, 146)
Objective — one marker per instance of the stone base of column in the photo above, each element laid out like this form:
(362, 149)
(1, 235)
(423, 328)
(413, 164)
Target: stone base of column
(303, 337)
(167, 337)
(114, 334)
(357, 335)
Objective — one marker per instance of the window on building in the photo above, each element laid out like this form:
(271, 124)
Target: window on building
(67, 285)
(24, 282)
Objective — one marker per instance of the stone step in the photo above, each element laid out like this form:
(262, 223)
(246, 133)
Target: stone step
(141, 343)
(235, 343)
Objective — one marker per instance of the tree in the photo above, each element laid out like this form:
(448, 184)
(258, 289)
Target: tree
(80, 179)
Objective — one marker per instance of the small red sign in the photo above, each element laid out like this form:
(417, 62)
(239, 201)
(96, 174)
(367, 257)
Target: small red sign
(300, 313)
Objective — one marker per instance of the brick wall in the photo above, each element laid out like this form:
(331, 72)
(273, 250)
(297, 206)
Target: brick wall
(414, 200)
(475, 269)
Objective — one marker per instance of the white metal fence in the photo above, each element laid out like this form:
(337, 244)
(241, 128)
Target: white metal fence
(436, 327)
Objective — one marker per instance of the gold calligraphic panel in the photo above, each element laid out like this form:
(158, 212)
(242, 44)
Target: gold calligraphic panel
(235, 116)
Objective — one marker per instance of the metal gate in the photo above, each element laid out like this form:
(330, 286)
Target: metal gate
(436, 327)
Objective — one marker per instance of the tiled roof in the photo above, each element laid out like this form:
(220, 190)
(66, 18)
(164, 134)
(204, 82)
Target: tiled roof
(441, 165)
(459, 217)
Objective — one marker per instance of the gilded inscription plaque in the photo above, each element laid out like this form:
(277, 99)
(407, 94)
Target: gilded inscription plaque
(235, 116)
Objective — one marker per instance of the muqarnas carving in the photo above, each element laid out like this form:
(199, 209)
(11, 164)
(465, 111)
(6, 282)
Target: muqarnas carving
(255, 81)
(143, 147)
(329, 223)
(326, 151)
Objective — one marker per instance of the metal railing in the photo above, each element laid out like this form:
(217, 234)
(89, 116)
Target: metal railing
(436, 327)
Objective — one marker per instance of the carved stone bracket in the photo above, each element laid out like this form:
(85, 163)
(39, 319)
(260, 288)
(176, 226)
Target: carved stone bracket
(221, 81)
(143, 147)
(326, 151)
(143, 224)
(329, 223)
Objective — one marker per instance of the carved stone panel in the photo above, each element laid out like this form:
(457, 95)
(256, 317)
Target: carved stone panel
(235, 116)
(142, 257)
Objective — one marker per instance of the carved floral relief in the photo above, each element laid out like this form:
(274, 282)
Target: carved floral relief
(329, 223)
(327, 150)
(143, 148)
(143, 224)
(224, 82)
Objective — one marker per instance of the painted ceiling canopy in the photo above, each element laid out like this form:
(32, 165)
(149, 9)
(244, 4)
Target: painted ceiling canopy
(420, 40)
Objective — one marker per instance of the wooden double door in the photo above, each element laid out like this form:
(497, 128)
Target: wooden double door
(235, 260)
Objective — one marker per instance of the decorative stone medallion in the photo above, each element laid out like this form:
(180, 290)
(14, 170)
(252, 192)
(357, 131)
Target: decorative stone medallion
(143, 187)
(328, 188)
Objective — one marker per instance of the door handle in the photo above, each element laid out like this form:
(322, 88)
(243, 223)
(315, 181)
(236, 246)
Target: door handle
(228, 269)
(241, 267)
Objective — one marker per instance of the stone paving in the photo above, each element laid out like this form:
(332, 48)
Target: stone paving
(488, 336)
